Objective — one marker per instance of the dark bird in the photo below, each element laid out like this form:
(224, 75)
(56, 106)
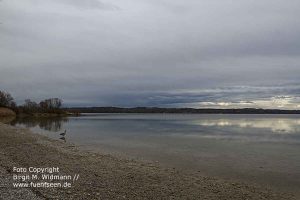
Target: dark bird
(63, 133)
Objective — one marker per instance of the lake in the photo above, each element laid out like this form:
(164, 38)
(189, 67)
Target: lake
(261, 149)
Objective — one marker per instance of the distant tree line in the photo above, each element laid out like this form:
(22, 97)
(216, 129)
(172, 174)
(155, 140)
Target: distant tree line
(51, 105)
(179, 110)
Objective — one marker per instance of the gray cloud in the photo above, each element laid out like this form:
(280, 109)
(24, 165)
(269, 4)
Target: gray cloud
(87, 4)
(149, 52)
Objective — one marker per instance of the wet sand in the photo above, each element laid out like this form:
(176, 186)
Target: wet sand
(108, 177)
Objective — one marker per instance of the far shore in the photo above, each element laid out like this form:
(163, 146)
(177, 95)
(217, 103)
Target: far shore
(108, 177)
(160, 110)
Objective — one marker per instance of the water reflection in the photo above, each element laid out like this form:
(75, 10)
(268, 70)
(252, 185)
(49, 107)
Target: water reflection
(63, 139)
(125, 127)
(52, 124)
(7, 120)
(276, 125)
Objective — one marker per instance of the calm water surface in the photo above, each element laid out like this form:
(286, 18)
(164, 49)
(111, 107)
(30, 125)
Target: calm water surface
(263, 149)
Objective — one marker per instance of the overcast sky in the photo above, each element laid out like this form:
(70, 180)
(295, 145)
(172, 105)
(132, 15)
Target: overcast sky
(167, 53)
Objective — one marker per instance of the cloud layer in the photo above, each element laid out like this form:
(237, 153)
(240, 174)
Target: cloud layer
(194, 53)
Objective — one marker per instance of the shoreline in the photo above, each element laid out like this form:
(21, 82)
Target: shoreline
(109, 177)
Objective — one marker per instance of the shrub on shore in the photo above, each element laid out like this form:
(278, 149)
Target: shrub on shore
(51, 106)
(47, 106)
(6, 100)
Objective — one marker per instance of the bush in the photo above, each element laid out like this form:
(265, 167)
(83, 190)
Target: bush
(6, 100)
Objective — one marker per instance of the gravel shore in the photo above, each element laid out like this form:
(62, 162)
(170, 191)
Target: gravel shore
(107, 177)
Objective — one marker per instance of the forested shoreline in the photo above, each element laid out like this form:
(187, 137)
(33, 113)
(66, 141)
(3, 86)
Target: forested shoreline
(50, 106)
(178, 110)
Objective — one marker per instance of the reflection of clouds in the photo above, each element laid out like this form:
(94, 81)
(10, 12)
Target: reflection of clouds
(256, 129)
(245, 138)
(279, 125)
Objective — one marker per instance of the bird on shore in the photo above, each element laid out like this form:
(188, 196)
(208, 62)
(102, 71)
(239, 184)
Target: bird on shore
(63, 133)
